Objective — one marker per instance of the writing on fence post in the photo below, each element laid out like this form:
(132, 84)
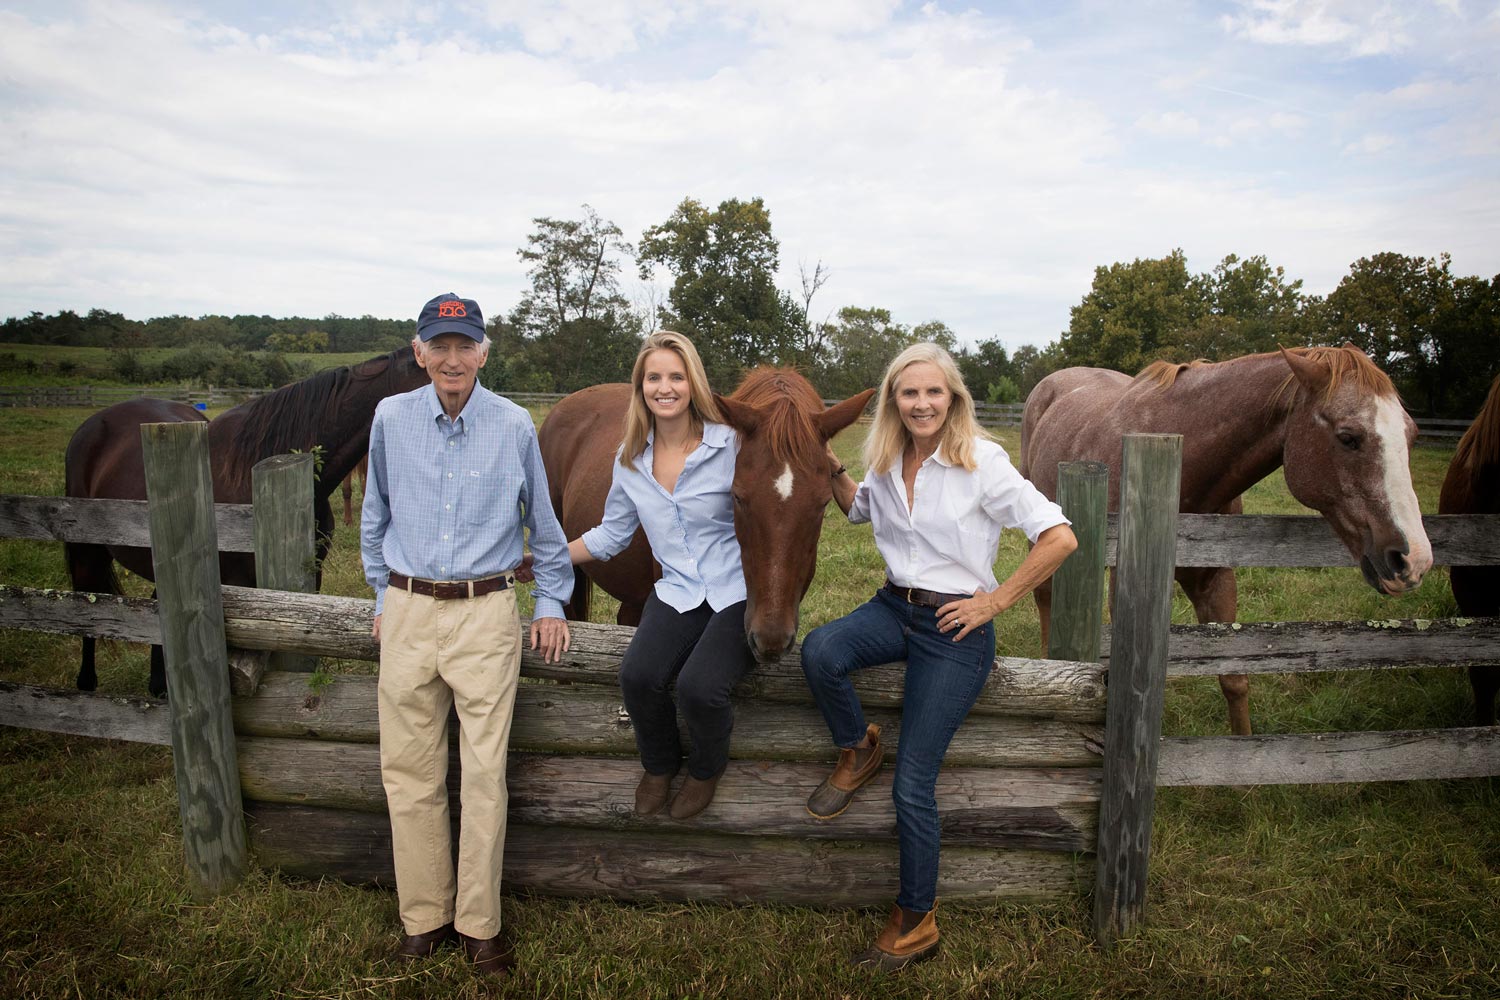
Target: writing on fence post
(185, 552)
(1077, 624)
(285, 540)
(1150, 476)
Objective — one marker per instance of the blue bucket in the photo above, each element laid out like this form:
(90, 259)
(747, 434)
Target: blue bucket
(201, 406)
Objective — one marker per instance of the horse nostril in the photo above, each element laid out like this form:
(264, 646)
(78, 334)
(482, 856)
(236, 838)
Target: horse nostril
(1396, 560)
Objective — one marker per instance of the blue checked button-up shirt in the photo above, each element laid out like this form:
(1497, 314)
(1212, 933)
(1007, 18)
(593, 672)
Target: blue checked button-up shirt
(691, 529)
(446, 500)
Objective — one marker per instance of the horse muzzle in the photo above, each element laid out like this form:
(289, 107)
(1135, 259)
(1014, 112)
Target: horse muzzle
(1394, 571)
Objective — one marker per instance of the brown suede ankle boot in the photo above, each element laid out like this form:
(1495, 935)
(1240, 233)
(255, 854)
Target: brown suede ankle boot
(855, 767)
(894, 950)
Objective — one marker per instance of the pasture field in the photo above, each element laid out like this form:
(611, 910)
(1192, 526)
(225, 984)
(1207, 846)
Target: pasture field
(1379, 890)
(67, 365)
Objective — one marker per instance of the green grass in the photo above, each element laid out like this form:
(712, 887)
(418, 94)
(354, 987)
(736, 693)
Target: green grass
(1359, 890)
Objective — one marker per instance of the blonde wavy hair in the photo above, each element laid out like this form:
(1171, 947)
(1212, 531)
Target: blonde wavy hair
(638, 420)
(888, 435)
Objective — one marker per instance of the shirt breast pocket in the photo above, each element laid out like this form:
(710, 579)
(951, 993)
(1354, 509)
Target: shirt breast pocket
(484, 500)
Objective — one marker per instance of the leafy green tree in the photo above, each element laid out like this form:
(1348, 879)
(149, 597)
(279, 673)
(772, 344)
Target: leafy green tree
(724, 293)
(983, 365)
(1251, 308)
(573, 327)
(1135, 313)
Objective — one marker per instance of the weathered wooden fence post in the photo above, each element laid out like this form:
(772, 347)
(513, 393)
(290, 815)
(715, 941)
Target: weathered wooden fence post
(285, 540)
(185, 551)
(1077, 625)
(1150, 475)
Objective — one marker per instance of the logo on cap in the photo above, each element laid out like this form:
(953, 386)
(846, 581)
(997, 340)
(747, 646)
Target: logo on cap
(451, 309)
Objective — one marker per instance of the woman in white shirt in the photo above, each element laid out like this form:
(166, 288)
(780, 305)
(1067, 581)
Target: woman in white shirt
(672, 478)
(938, 491)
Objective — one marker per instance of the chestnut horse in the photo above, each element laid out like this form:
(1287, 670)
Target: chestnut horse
(1472, 486)
(330, 411)
(781, 486)
(1326, 414)
(362, 470)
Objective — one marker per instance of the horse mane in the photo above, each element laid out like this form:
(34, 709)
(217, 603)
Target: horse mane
(787, 403)
(1480, 445)
(1348, 364)
(1164, 373)
(292, 417)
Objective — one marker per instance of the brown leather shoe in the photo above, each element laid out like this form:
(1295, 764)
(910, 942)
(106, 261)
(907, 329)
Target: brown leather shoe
(694, 796)
(491, 956)
(651, 793)
(894, 950)
(855, 767)
(415, 946)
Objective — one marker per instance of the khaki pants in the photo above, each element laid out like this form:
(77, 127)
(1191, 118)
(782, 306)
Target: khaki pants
(433, 654)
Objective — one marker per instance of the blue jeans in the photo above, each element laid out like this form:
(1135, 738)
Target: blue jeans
(943, 680)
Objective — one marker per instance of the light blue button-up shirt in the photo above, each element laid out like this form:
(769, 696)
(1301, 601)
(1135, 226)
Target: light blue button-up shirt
(447, 499)
(691, 529)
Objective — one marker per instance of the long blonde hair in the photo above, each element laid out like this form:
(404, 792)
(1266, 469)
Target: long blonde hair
(888, 435)
(638, 420)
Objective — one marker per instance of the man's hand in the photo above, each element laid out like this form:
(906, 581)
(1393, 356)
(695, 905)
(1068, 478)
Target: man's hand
(375, 628)
(550, 635)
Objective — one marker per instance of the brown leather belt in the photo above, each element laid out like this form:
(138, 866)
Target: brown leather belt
(926, 598)
(450, 590)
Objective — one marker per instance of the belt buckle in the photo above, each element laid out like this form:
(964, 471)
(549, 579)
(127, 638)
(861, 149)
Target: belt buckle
(908, 596)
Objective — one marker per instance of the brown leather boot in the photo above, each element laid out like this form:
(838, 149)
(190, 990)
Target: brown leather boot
(694, 796)
(490, 956)
(894, 950)
(855, 767)
(651, 793)
(415, 946)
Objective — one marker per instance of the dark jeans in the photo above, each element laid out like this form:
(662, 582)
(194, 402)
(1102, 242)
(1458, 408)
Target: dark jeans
(705, 652)
(943, 679)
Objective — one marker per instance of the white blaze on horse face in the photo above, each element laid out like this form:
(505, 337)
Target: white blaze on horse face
(783, 483)
(1406, 513)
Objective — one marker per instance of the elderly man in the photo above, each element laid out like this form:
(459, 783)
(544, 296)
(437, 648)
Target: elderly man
(455, 474)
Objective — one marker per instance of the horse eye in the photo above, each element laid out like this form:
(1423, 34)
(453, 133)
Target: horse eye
(1349, 440)
(739, 499)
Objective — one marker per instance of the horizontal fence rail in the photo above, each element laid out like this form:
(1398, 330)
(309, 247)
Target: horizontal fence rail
(1202, 539)
(99, 396)
(1430, 430)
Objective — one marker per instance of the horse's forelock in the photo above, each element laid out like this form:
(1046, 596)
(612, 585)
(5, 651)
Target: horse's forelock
(788, 404)
(1348, 365)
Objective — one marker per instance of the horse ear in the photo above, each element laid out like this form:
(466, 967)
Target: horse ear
(1314, 375)
(741, 416)
(1350, 345)
(841, 415)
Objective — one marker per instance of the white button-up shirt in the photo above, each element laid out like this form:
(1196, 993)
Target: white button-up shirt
(946, 542)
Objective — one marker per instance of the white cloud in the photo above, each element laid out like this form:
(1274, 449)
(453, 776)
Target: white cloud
(944, 162)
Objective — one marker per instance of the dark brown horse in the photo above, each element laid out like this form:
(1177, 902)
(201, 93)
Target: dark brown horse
(1325, 414)
(781, 487)
(331, 411)
(1472, 486)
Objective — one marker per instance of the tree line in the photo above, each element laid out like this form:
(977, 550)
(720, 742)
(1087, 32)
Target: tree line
(1437, 334)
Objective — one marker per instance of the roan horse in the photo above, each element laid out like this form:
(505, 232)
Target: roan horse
(331, 411)
(1326, 414)
(781, 487)
(1472, 486)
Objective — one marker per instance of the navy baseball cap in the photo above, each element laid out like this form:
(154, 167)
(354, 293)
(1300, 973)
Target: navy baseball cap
(450, 314)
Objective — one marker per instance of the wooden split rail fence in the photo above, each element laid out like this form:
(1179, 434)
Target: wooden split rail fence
(1047, 790)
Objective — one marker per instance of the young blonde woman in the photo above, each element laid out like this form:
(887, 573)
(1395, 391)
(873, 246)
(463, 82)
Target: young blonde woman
(673, 478)
(938, 491)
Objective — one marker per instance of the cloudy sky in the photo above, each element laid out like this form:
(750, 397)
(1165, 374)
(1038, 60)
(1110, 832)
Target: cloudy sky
(965, 162)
